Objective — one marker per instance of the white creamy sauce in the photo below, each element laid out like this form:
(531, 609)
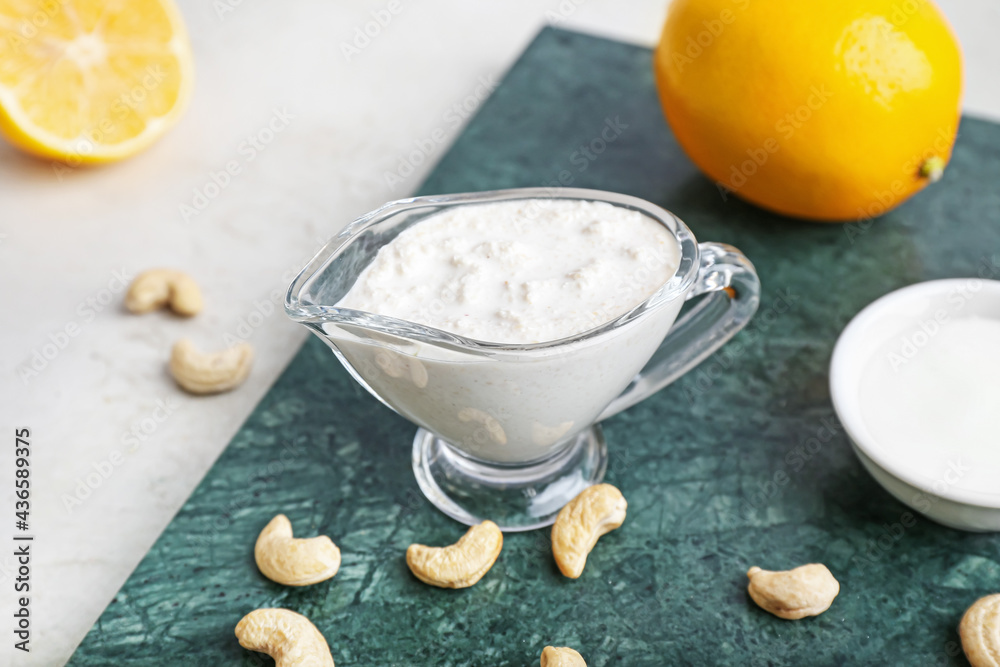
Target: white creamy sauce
(931, 397)
(519, 271)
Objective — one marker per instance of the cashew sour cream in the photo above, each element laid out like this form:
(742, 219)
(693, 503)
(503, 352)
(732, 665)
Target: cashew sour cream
(519, 272)
(931, 397)
(514, 272)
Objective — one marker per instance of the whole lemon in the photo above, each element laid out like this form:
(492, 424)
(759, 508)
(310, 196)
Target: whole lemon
(827, 109)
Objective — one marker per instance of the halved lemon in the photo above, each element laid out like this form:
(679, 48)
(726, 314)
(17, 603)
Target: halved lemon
(85, 81)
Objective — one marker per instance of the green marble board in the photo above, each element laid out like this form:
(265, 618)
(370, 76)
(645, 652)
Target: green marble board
(740, 463)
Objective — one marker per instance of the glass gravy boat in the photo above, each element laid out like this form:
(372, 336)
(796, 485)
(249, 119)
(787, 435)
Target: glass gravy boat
(510, 432)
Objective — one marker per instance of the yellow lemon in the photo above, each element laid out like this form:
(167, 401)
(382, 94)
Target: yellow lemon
(826, 109)
(85, 81)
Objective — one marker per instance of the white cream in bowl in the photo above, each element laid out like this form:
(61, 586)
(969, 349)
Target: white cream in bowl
(522, 271)
(516, 272)
(915, 380)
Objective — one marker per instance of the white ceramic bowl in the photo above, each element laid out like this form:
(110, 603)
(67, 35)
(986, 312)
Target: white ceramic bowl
(949, 504)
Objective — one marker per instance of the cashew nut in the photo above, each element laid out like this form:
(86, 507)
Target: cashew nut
(202, 373)
(158, 287)
(294, 562)
(597, 510)
(561, 656)
(980, 632)
(493, 427)
(396, 365)
(460, 565)
(290, 638)
(808, 590)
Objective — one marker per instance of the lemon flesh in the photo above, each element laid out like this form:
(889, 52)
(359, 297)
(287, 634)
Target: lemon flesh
(86, 81)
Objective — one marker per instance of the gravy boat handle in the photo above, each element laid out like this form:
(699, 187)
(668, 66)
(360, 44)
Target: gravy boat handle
(732, 290)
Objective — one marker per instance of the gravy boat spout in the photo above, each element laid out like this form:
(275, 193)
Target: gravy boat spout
(509, 432)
